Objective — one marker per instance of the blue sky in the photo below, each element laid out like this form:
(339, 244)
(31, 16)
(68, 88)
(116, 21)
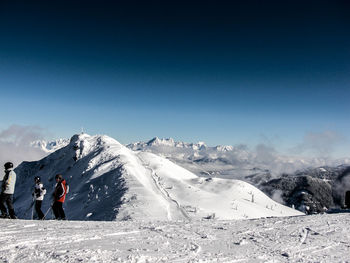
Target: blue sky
(224, 73)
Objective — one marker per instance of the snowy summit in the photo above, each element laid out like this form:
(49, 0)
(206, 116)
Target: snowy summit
(109, 181)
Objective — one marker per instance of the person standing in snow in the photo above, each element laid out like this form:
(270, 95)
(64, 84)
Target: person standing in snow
(38, 194)
(59, 196)
(7, 190)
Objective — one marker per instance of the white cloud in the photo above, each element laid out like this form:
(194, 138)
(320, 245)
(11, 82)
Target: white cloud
(265, 153)
(15, 144)
(323, 144)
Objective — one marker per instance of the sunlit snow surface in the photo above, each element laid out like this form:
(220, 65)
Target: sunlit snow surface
(108, 181)
(317, 238)
(159, 212)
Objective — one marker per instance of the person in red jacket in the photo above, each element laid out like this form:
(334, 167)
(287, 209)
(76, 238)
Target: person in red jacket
(59, 196)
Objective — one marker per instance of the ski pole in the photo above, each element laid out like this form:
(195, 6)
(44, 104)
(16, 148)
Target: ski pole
(28, 209)
(52, 213)
(33, 211)
(51, 208)
(48, 210)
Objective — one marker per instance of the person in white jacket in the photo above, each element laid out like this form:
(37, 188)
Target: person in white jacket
(38, 194)
(7, 190)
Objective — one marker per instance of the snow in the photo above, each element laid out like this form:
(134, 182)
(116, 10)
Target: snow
(316, 238)
(136, 206)
(225, 198)
(108, 181)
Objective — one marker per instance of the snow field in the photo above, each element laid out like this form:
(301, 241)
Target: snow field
(318, 238)
(222, 198)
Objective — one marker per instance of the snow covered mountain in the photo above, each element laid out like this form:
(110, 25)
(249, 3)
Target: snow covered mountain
(236, 162)
(50, 146)
(108, 181)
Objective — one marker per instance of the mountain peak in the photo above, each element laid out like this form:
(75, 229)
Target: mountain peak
(168, 142)
(157, 142)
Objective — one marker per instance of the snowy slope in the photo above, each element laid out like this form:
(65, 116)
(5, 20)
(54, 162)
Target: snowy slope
(318, 238)
(108, 181)
(222, 198)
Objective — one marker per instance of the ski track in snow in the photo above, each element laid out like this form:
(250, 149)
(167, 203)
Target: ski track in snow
(164, 193)
(290, 239)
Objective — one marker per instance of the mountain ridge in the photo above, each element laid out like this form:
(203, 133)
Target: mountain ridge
(108, 181)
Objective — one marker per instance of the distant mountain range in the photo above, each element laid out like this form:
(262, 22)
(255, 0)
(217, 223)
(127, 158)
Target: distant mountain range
(50, 146)
(231, 161)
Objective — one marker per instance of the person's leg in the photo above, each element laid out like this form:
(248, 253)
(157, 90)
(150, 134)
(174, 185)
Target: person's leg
(38, 209)
(61, 211)
(10, 206)
(2, 206)
(55, 209)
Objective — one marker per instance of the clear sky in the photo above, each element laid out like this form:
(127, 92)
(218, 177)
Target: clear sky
(223, 72)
